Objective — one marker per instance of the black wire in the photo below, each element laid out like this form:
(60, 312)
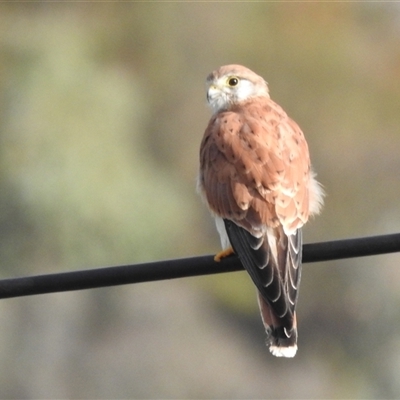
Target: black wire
(185, 267)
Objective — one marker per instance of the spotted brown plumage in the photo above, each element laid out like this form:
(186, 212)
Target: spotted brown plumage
(256, 178)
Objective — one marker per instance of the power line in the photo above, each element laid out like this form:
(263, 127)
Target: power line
(185, 267)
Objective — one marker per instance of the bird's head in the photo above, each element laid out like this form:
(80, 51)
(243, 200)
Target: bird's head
(233, 84)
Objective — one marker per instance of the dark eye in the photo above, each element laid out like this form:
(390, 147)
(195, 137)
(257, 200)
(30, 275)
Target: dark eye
(233, 81)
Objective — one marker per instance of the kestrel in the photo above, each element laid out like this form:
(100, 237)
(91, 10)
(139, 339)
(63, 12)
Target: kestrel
(256, 178)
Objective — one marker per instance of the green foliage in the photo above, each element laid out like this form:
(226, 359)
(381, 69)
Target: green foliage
(73, 151)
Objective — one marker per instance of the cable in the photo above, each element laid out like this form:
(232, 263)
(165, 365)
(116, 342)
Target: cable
(185, 267)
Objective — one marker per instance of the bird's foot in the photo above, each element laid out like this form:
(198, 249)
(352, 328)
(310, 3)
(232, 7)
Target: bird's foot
(224, 253)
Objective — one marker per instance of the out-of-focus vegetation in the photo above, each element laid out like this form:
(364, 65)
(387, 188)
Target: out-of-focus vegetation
(102, 109)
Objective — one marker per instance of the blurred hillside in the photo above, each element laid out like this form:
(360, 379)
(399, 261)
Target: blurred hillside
(102, 110)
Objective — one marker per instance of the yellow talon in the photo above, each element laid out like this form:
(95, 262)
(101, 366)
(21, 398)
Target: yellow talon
(224, 253)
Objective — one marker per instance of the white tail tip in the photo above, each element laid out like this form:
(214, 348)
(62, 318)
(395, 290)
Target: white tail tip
(288, 352)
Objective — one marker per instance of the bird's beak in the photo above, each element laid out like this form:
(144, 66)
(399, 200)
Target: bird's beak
(212, 91)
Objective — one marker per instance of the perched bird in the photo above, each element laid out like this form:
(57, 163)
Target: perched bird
(256, 178)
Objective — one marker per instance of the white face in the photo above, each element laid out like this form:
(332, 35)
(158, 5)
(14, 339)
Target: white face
(231, 89)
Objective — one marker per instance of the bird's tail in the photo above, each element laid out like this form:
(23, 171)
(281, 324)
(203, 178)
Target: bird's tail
(282, 340)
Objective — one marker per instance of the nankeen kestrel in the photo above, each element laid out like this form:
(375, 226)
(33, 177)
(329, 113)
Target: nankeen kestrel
(256, 178)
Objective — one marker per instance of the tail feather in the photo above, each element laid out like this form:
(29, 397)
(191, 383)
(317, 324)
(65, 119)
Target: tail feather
(282, 341)
(273, 262)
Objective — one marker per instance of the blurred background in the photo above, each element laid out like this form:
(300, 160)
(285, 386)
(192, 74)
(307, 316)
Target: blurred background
(102, 110)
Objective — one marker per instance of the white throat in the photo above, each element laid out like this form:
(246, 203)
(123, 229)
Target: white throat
(221, 97)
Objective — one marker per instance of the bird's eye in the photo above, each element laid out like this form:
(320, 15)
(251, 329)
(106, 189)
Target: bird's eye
(233, 81)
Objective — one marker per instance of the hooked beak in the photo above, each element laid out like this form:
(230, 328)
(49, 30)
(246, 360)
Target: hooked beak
(212, 92)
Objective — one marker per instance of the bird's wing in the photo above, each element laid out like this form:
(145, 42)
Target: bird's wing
(255, 167)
